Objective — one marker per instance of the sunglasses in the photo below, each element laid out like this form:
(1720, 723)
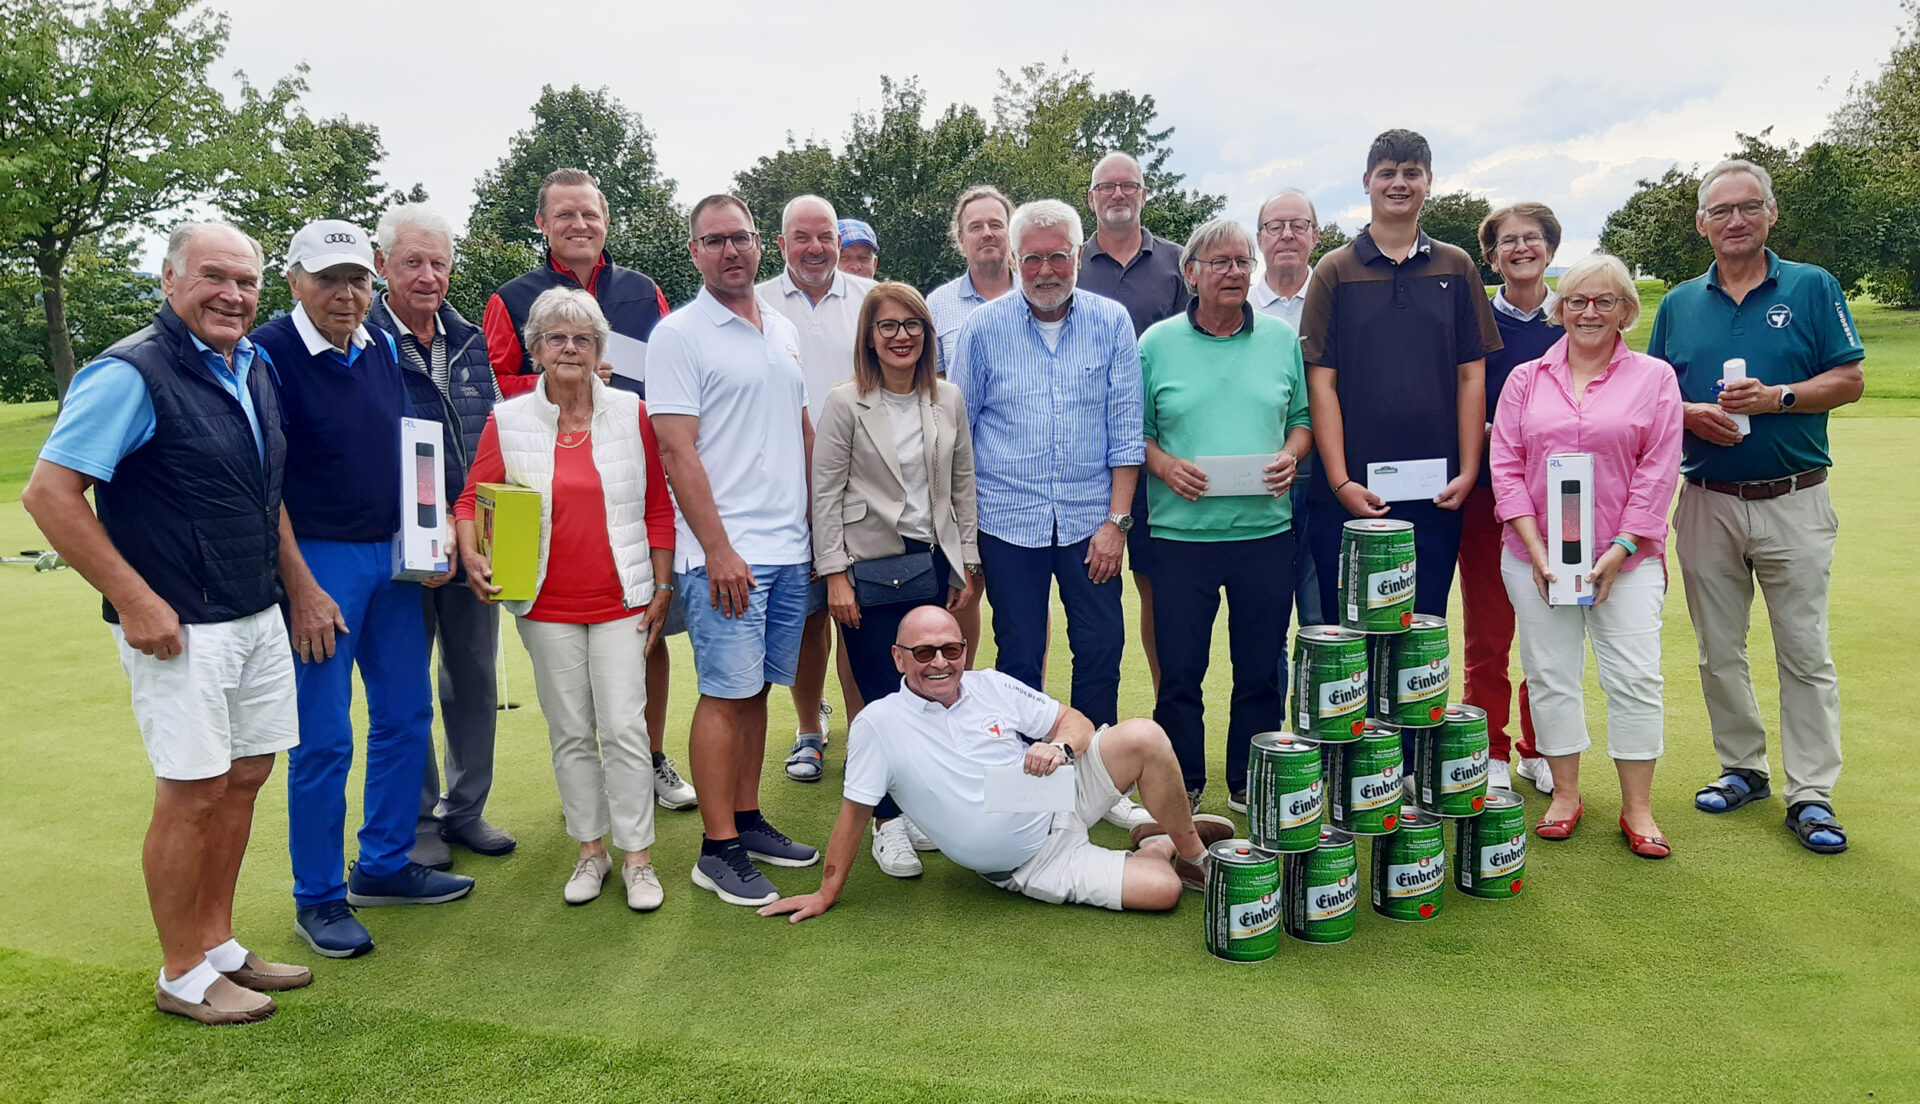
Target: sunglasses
(925, 652)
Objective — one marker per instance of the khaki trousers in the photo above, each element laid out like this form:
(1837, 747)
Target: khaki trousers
(1786, 543)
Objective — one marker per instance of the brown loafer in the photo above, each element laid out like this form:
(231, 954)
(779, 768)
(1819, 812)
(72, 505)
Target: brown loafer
(262, 976)
(224, 1003)
(1212, 829)
(1192, 875)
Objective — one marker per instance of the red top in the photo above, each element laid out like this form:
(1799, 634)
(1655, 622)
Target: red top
(582, 587)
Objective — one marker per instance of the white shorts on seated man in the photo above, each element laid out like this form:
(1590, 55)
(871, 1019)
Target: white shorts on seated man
(930, 745)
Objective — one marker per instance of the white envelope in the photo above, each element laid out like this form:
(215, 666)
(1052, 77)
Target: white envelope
(1011, 789)
(1407, 480)
(628, 357)
(1235, 475)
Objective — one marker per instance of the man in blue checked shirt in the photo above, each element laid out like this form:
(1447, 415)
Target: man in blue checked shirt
(1052, 381)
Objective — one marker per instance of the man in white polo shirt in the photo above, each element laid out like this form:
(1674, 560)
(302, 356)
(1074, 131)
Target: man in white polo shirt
(931, 746)
(729, 405)
(823, 304)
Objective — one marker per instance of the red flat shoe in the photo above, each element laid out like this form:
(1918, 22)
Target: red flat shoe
(1647, 847)
(1560, 829)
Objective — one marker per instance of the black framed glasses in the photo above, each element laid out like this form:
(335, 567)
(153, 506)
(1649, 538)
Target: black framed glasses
(1721, 212)
(925, 652)
(741, 240)
(891, 327)
(1124, 187)
(1300, 227)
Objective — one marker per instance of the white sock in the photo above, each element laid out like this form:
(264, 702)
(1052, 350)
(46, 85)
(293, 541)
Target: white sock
(228, 956)
(192, 985)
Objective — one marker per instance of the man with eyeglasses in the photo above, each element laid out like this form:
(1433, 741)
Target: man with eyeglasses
(1140, 270)
(949, 743)
(823, 303)
(729, 406)
(1052, 383)
(1754, 504)
(1289, 232)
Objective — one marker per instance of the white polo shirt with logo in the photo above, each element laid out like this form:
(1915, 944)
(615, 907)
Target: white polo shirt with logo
(826, 329)
(934, 761)
(747, 388)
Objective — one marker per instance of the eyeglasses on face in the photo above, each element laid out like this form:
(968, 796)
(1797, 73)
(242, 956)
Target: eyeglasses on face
(741, 240)
(1748, 208)
(559, 341)
(1300, 227)
(1514, 241)
(1124, 187)
(1220, 266)
(1051, 260)
(1602, 303)
(889, 327)
(925, 652)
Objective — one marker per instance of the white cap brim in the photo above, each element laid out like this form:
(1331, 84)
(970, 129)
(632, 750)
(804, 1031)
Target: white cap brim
(325, 261)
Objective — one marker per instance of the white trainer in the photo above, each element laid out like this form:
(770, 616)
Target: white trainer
(1537, 772)
(1126, 814)
(892, 850)
(670, 791)
(1498, 775)
(920, 840)
(584, 884)
(643, 887)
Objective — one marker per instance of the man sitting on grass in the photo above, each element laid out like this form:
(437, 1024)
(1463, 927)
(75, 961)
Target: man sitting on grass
(931, 744)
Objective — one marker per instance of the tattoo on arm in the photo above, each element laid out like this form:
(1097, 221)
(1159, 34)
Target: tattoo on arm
(830, 869)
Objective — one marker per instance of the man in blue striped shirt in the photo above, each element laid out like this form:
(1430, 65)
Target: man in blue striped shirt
(1052, 382)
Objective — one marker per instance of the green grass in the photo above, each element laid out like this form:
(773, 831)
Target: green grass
(1743, 968)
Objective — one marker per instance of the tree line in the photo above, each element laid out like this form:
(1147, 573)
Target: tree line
(111, 128)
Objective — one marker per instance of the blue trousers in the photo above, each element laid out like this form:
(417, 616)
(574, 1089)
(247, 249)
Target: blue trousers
(1306, 577)
(1019, 586)
(387, 637)
(1257, 576)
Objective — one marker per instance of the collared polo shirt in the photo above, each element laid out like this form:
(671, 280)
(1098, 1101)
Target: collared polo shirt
(1149, 286)
(934, 761)
(1792, 327)
(1049, 424)
(1396, 332)
(951, 304)
(748, 389)
(825, 329)
(109, 411)
(1268, 301)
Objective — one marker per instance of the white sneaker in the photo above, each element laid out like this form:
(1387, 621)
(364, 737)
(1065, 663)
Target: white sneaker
(1498, 776)
(643, 888)
(920, 840)
(892, 850)
(1126, 814)
(670, 791)
(826, 725)
(584, 884)
(1537, 772)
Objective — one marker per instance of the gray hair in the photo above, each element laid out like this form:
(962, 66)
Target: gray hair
(567, 305)
(1040, 215)
(1117, 155)
(1734, 165)
(1209, 234)
(786, 213)
(183, 234)
(411, 216)
(1312, 212)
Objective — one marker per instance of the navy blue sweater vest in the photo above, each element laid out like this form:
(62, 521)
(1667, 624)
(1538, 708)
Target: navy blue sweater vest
(194, 510)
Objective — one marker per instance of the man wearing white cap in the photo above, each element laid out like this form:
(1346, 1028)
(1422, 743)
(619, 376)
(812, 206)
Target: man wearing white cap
(342, 396)
(859, 249)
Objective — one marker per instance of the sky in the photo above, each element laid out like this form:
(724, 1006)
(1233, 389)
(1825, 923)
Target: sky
(1564, 103)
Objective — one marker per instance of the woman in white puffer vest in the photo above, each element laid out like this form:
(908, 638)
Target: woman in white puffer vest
(606, 536)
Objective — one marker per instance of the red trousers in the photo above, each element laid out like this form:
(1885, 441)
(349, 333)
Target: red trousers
(1487, 624)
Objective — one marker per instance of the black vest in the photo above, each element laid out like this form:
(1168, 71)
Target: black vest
(629, 299)
(193, 510)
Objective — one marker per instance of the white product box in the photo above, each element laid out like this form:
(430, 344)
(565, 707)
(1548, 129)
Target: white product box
(1570, 551)
(420, 547)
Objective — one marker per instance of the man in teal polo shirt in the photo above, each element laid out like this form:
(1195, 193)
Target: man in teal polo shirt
(1755, 503)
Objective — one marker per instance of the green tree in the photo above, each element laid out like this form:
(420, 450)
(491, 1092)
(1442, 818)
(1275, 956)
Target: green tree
(1331, 238)
(1879, 124)
(590, 130)
(107, 122)
(902, 176)
(1455, 218)
(1654, 232)
(107, 299)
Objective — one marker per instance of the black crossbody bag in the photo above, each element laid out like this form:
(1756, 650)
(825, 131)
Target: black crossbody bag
(908, 577)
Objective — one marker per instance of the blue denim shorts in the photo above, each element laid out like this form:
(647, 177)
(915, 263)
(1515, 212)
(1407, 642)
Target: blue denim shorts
(735, 657)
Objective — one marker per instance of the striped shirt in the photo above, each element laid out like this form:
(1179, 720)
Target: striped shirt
(950, 304)
(1049, 425)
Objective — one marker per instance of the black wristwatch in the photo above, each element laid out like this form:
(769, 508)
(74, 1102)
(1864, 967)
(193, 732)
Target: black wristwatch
(1067, 749)
(1124, 521)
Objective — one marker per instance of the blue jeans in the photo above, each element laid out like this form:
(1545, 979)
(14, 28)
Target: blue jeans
(736, 657)
(387, 637)
(1019, 584)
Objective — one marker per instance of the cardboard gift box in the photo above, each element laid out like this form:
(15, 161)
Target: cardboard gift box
(506, 526)
(1570, 551)
(421, 547)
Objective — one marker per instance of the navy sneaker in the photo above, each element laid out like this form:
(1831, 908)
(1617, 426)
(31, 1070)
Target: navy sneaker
(412, 884)
(330, 929)
(733, 877)
(767, 844)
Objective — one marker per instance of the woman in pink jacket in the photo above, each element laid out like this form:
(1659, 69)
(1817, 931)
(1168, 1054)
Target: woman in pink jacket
(1591, 394)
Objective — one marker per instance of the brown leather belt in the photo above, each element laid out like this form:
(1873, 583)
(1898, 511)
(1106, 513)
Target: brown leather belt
(1766, 488)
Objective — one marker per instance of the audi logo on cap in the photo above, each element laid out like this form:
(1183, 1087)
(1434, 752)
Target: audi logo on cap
(340, 238)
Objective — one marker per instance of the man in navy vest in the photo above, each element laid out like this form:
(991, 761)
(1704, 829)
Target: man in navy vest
(444, 361)
(177, 430)
(572, 215)
(343, 394)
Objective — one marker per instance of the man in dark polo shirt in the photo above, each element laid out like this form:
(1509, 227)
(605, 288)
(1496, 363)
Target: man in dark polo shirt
(1754, 504)
(1127, 262)
(1395, 334)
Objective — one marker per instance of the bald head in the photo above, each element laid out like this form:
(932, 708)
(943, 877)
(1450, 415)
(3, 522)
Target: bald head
(810, 243)
(1118, 192)
(922, 620)
(936, 677)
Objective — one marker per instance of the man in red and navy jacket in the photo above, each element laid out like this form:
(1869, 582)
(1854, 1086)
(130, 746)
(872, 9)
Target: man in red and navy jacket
(572, 214)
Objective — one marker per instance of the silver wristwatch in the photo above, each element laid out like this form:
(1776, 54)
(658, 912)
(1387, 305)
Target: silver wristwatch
(1124, 521)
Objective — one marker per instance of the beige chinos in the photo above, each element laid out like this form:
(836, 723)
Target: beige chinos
(1786, 543)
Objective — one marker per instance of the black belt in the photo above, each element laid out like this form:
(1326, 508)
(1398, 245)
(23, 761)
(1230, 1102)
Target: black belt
(1765, 488)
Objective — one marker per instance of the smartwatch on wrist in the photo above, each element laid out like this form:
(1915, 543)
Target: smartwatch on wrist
(1067, 750)
(1787, 397)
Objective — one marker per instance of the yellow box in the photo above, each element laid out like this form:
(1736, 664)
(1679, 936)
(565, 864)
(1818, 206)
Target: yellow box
(506, 522)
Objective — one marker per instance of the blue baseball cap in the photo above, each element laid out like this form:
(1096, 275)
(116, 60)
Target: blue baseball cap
(855, 232)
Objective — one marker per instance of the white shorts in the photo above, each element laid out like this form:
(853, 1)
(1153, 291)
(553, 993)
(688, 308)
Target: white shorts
(1069, 868)
(228, 695)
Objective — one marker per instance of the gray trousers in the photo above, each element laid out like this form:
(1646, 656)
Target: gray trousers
(1786, 545)
(466, 629)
